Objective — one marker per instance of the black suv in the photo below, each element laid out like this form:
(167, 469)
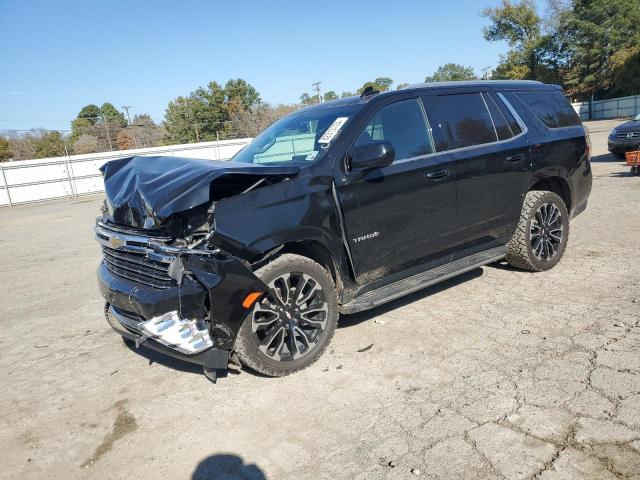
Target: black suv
(336, 208)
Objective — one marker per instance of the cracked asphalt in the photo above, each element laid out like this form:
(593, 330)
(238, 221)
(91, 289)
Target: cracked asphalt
(495, 374)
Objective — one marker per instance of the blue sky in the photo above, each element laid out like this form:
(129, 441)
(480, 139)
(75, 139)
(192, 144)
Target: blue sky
(58, 56)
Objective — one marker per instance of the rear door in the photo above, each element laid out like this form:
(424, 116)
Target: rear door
(490, 153)
(402, 215)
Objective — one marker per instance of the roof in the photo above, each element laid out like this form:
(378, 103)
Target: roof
(493, 84)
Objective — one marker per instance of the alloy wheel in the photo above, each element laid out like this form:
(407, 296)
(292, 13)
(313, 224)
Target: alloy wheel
(290, 319)
(547, 231)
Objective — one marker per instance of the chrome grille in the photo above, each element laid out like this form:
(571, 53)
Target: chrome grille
(138, 267)
(628, 135)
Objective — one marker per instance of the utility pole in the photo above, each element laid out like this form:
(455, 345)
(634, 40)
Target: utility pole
(106, 126)
(316, 87)
(133, 135)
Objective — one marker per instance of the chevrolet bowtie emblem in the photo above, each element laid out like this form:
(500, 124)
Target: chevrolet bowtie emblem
(115, 242)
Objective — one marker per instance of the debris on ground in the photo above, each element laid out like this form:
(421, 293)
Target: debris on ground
(366, 349)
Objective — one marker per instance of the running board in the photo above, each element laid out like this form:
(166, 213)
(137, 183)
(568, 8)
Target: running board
(422, 280)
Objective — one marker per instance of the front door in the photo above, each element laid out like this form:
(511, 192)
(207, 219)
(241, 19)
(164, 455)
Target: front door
(402, 215)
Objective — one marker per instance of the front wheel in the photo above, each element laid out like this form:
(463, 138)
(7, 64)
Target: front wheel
(541, 236)
(291, 325)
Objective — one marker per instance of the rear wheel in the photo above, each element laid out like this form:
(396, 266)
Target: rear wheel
(542, 233)
(290, 326)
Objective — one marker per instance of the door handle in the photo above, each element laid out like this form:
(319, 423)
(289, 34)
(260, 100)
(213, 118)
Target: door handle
(515, 158)
(437, 174)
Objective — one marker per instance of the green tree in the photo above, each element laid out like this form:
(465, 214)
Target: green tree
(91, 113)
(330, 95)
(519, 24)
(346, 94)
(112, 115)
(381, 84)
(307, 99)
(5, 150)
(402, 85)
(240, 90)
(452, 72)
(603, 35)
(204, 114)
(50, 144)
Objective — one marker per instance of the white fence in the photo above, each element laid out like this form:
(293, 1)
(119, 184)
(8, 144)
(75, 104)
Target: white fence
(47, 178)
(614, 108)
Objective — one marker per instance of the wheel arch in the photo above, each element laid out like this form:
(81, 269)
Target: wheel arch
(557, 185)
(319, 253)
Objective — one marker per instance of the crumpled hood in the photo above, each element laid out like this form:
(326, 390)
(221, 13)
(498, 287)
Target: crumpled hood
(144, 191)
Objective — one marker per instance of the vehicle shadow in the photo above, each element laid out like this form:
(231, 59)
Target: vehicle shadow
(164, 360)
(228, 467)
(353, 319)
(605, 157)
(623, 174)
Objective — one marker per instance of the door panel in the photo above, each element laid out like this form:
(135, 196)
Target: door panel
(402, 215)
(492, 164)
(397, 217)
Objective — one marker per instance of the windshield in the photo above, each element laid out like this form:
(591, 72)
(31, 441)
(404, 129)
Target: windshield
(299, 138)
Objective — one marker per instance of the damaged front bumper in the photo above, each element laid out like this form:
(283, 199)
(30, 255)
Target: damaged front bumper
(185, 302)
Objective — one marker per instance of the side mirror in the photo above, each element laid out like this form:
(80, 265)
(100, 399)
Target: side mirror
(374, 154)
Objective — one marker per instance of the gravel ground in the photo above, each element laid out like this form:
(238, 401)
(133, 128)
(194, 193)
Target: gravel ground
(495, 374)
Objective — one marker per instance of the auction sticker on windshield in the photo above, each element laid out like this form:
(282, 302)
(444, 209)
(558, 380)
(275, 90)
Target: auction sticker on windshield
(333, 130)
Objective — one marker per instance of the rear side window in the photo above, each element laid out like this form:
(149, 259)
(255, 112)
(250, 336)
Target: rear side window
(503, 129)
(552, 108)
(404, 125)
(468, 119)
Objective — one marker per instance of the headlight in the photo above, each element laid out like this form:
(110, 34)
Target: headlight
(613, 133)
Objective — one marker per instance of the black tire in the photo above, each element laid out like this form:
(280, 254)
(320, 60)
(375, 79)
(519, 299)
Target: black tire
(276, 359)
(535, 246)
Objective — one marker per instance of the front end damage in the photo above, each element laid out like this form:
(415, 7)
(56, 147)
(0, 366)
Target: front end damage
(186, 302)
(167, 283)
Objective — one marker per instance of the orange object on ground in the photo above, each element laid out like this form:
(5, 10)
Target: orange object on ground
(633, 159)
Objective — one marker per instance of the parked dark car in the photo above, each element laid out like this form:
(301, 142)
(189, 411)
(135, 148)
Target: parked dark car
(336, 208)
(625, 137)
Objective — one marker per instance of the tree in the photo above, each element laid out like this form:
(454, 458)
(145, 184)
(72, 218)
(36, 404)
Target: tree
(384, 83)
(5, 150)
(85, 144)
(91, 113)
(604, 34)
(111, 114)
(519, 24)
(381, 84)
(402, 85)
(307, 99)
(203, 115)
(347, 94)
(241, 90)
(49, 144)
(250, 122)
(330, 95)
(452, 72)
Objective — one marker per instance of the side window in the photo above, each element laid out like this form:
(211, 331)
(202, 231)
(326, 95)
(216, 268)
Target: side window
(515, 126)
(404, 125)
(468, 119)
(551, 107)
(499, 122)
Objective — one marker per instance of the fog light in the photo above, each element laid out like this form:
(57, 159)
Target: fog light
(178, 333)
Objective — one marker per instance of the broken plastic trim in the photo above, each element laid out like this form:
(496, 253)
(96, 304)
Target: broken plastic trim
(179, 333)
